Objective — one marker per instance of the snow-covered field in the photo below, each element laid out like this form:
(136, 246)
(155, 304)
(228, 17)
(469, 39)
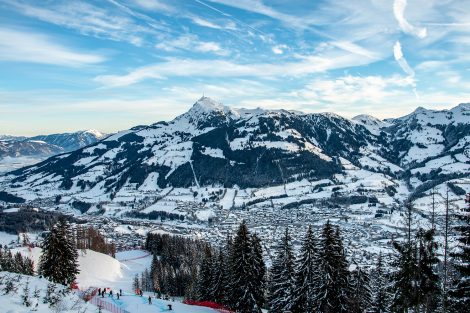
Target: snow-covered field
(98, 270)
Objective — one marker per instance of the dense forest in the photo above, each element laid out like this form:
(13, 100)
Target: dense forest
(319, 277)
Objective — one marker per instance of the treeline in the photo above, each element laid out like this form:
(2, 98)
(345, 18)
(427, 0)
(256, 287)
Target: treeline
(90, 238)
(15, 263)
(29, 220)
(155, 215)
(175, 265)
(319, 277)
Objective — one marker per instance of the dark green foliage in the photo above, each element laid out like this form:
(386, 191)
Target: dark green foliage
(460, 292)
(8, 197)
(282, 277)
(155, 215)
(15, 264)
(205, 276)
(332, 285)
(59, 259)
(174, 271)
(380, 288)
(361, 294)
(27, 220)
(245, 284)
(83, 207)
(306, 276)
(220, 276)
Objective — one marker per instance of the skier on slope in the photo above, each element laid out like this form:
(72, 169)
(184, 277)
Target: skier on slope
(150, 300)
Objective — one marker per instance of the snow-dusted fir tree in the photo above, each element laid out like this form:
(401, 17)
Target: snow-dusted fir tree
(59, 259)
(282, 277)
(260, 271)
(306, 275)
(380, 288)
(361, 294)
(428, 284)
(460, 292)
(203, 288)
(220, 277)
(244, 289)
(404, 276)
(332, 290)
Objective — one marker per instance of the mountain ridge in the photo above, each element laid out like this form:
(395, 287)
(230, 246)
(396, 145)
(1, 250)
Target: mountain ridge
(214, 145)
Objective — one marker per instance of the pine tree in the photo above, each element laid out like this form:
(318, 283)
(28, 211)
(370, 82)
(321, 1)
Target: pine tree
(25, 296)
(218, 290)
(380, 285)
(361, 294)
(282, 277)
(243, 287)
(205, 276)
(332, 288)
(136, 283)
(460, 292)
(306, 275)
(259, 270)
(59, 260)
(428, 285)
(404, 278)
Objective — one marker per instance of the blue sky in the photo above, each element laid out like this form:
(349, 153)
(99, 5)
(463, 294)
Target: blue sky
(113, 64)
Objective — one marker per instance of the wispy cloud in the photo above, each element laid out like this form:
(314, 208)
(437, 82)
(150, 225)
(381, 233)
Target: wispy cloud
(24, 46)
(221, 68)
(89, 19)
(399, 7)
(399, 57)
(154, 5)
(191, 42)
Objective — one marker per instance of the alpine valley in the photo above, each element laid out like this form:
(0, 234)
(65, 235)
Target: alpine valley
(213, 166)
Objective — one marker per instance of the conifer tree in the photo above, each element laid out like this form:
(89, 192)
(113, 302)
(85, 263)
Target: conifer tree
(428, 285)
(404, 278)
(259, 270)
(282, 277)
(380, 293)
(306, 275)
(243, 288)
(460, 292)
(205, 276)
(220, 277)
(361, 294)
(59, 260)
(332, 291)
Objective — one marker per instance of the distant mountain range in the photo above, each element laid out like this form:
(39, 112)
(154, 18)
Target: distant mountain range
(214, 145)
(23, 150)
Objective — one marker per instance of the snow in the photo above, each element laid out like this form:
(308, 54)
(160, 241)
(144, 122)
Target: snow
(12, 302)
(6, 238)
(215, 153)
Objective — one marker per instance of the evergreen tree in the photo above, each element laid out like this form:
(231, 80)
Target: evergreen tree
(259, 269)
(361, 294)
(220, 278)
(428, 285)
(59, 260)
(404, 278)
(205, 277)
(306, 275)
(136, 283)
(282, 277)
(332, 289)
(460, 292)
(380, 294)
(243, 287)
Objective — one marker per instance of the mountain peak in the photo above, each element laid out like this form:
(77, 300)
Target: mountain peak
(207, 104)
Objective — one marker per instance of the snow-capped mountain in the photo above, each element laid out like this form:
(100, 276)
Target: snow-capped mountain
(20, 150)
(215, 146)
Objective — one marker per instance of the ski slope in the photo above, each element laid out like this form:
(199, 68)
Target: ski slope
(98, 270)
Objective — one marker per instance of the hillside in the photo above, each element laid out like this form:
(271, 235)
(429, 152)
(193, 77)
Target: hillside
(18, 151)
(217, 165)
